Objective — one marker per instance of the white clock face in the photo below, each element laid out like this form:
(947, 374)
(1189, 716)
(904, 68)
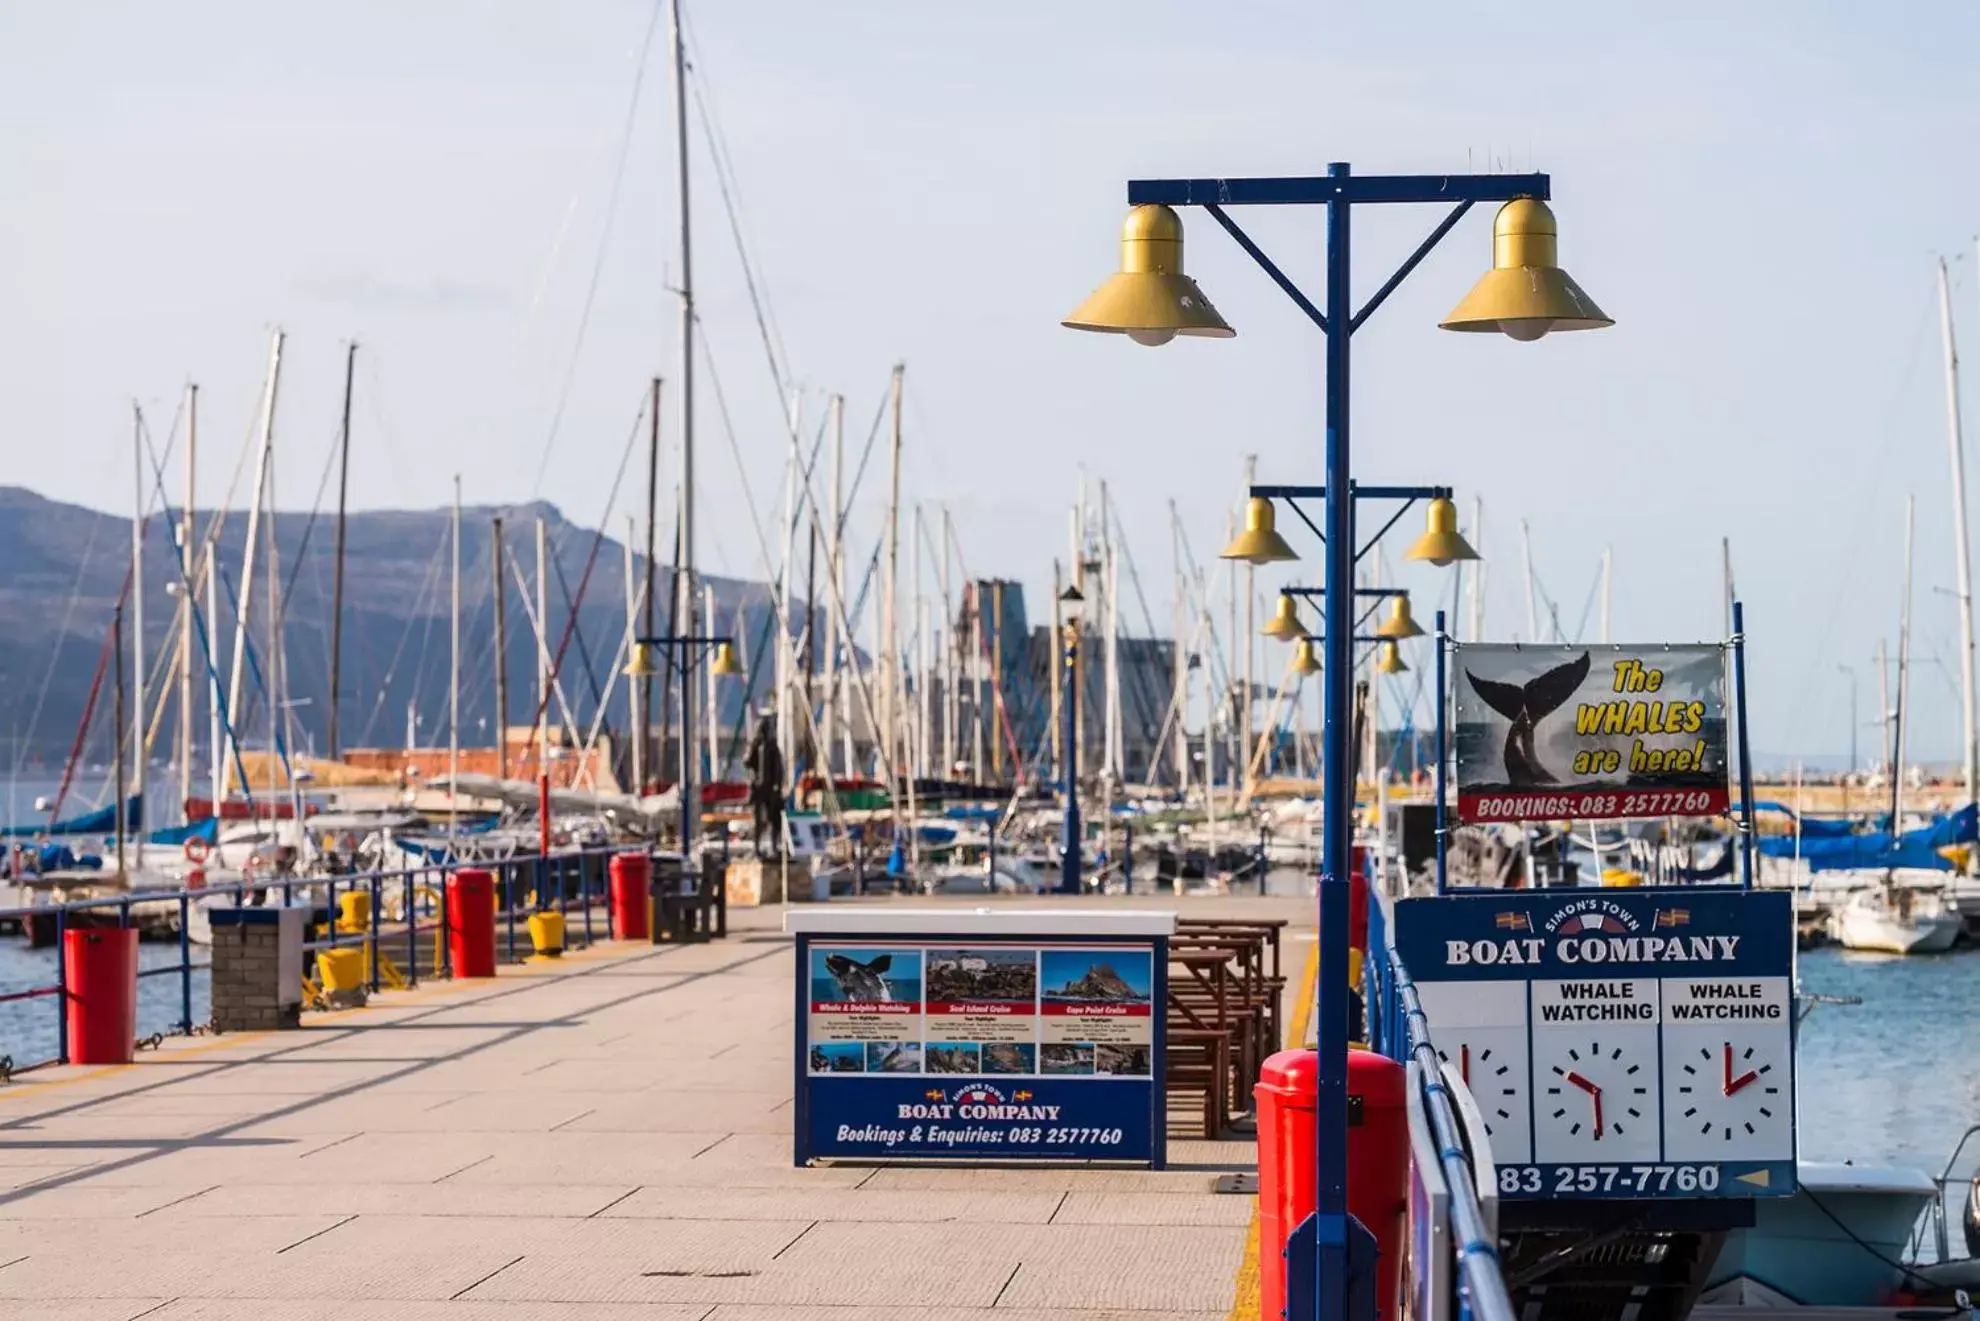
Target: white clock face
(1595, 1094)
(1479, 1029)
(1727, 1088)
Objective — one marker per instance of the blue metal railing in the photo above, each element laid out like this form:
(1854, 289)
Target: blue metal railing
(562, 882)
(1398, 1029)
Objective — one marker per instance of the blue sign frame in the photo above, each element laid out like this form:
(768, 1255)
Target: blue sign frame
(895, 1106)
(1595, 1000)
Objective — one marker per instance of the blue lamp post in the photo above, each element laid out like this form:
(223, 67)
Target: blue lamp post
(1525, 296)
(1070, 604)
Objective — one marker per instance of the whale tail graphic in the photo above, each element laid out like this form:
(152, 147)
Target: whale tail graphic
(1524, 705)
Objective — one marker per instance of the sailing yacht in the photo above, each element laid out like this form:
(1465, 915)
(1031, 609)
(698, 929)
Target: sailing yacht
(1896, 917)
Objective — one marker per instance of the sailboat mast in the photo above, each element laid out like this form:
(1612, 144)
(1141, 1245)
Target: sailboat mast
(501, 657)
(137, 626)
(117, 725)
(213, 708)
(951, 698)
(642, 731)
(1526, 565)
(454, 677)
(336, 749)
(684, 574)
(890, 642)
(189, 601)
(835, 579)
(1608, 572)
(1903, 678)
(247, 573)
(1962, 542)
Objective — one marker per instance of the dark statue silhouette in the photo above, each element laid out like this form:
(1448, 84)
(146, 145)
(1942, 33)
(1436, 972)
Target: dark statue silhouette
(1524, 705)
(765, 761)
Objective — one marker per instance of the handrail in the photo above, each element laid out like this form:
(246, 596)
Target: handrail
(546, 874)
(1399, 1028)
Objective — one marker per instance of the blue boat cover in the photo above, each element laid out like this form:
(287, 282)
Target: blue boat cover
(1913, 848)
(103, 821)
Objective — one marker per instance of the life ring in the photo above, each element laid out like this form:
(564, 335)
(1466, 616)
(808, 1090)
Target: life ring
(196, 849)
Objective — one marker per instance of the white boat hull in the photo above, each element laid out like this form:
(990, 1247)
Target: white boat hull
(1867, 923)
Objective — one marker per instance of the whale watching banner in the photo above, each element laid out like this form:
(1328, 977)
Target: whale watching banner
(1549, 733)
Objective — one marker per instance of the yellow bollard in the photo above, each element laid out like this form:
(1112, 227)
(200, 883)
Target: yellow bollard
(546, 934)
(354, 910)
(342, 974)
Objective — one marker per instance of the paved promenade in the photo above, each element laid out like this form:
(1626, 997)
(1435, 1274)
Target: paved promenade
(606, 1137)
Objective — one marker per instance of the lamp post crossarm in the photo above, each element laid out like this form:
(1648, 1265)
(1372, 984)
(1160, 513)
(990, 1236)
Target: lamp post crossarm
(685, 641)
(1361, 492)
(1377, 593)
(1401, 509)
(1319, 190)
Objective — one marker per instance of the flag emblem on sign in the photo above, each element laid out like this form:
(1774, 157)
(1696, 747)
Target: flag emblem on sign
(1514, 922)
(1673, 917)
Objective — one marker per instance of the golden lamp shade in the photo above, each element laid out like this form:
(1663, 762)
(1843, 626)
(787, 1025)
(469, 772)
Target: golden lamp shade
(641, 665)
(1260, 542)
(1304, 662)
(1284, 623)
(1149, 299)
(1526, 294)
(1440, 542)
(726, 665)
(1400, 623)
(1388, 660)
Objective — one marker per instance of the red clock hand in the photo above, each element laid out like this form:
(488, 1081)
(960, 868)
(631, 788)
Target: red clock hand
(1736, 1085)
(1464, 1064)
(1594, 1094)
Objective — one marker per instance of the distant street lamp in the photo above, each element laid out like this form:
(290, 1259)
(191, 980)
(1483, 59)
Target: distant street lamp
(1071, 603)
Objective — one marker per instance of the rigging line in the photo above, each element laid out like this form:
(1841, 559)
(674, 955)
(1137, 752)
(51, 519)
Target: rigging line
(556, 682)
(302, 546)
(179, 557)
(55, 652)
(731, 192)
(584, 581)
(604, 246)
(575, 629)
(405, 634)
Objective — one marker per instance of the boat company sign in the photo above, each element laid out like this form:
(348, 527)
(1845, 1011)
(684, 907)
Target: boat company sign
(980, 1048)
(1622, 1044)
(1546, 733)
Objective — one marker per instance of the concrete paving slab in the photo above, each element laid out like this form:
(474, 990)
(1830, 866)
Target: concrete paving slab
(860, 1205)
(340, 1309)
(451, 1198)
(1103, 1208)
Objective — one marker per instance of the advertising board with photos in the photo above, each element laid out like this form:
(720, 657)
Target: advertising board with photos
(1022, 1050)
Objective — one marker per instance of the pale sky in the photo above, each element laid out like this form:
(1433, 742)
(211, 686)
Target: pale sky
(1756, 192)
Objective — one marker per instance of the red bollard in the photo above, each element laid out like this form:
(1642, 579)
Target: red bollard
(632, 884)
(1378, 1165)
(471, 922)
(99, 974)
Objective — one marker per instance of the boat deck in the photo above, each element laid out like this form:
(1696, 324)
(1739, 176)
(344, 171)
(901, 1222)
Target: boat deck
(605, 1136)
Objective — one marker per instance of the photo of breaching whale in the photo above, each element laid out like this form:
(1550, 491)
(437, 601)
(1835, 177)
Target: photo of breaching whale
(865, 976)
(893, 1057)
(1525, 705)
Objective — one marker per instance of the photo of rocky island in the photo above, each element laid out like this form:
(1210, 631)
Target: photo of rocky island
(1096, 976)
(893, 1057)
(1005, 975)
(838, 1057)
